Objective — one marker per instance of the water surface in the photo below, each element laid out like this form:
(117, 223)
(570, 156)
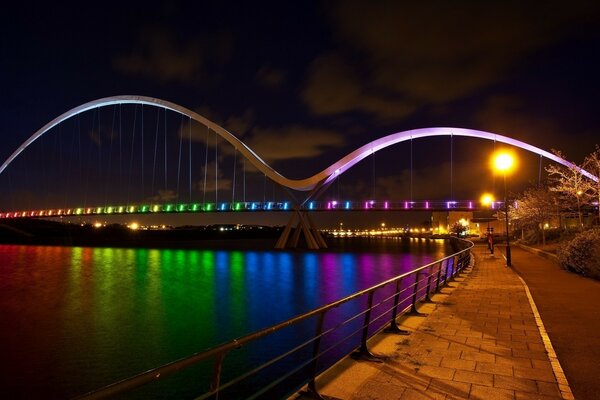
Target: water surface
(74, 319)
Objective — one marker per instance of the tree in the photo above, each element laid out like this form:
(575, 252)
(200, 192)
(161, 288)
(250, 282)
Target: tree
(592, 165)
(569, 182)
(459, 228)
(534, 208)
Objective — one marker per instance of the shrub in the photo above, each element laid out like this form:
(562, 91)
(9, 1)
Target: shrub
(582, 254)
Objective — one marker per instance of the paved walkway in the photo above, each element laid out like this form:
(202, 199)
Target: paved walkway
(570, 308)
(480, 341)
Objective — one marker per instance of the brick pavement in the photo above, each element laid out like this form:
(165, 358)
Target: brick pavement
(479, 341)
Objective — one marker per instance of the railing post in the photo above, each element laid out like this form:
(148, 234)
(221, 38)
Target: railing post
(439, 276)
(413, 307)
(311, 389)
(461, 263)
(394, 328)
(457, 267)
(427, 297)
(363, 352)
(216, 378)
(447, 277)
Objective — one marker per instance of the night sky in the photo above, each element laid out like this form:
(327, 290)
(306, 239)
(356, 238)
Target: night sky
(303, 84)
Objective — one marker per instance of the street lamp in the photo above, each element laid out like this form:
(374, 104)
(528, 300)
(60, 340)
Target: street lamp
(504, 162)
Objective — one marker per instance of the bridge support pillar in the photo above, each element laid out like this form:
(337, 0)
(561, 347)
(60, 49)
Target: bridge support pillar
(306, 227)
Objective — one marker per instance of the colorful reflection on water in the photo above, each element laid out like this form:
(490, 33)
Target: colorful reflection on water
(74, 319)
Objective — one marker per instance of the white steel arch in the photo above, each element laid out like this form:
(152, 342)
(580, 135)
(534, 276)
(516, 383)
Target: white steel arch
(325, 176)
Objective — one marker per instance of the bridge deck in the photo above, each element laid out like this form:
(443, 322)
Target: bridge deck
(268, 206)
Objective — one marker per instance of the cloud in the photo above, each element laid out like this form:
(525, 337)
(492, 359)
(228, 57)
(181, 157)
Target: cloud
(292, 142)
(239, 125)
(271, 144)
(270, 77)
(164, 196)
(221, 183)
(394, 57)
(160, 55)
(509, 116)
(334, 87)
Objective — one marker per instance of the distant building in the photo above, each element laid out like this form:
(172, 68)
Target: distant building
(478, 222)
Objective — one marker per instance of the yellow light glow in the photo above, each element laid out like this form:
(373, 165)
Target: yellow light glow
(487, 199)
(134, 226)
(579, 193)
(97, 224)
(504, 161)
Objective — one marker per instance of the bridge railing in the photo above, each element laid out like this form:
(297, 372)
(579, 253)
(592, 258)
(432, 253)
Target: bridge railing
(248, 206)
(396, 296)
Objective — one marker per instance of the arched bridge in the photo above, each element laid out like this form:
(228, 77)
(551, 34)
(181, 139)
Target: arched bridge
(315, 185)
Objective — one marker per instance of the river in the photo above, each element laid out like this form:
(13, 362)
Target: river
(74, 319)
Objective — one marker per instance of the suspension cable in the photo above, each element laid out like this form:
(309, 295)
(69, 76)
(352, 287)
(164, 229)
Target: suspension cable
(540, 172)
(112, 134)
(79, 150)
(205, 167)
(71, 151)
(166, 170)
(373, 175)
(155, 148)
(451, 166)
(493, 174)
(142, 134)
(132, 150)
(99, 146)
(233, 183)
(89, 157)
(411, 168)
(179, 161)
(190, 156)
(120, 147)
(216, 169)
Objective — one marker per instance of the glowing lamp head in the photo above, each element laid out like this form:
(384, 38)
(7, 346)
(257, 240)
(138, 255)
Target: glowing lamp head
(487, 199)
(504, 162)
(134, 226)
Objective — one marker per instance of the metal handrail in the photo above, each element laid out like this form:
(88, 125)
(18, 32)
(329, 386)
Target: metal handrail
(218, 353)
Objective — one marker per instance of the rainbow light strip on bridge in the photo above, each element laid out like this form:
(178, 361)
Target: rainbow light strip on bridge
(269, 206)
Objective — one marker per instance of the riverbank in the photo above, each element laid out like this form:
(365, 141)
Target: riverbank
(42, 232)
(481, 340)
(226, 236)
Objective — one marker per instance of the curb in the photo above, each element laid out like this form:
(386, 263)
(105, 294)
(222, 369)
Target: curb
(563, 384)
(541, 253)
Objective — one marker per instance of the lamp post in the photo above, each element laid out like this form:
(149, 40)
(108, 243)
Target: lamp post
(504, 163)
(487, 200)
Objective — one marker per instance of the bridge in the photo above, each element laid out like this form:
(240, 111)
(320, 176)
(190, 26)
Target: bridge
(303, 195)
(270, 206)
